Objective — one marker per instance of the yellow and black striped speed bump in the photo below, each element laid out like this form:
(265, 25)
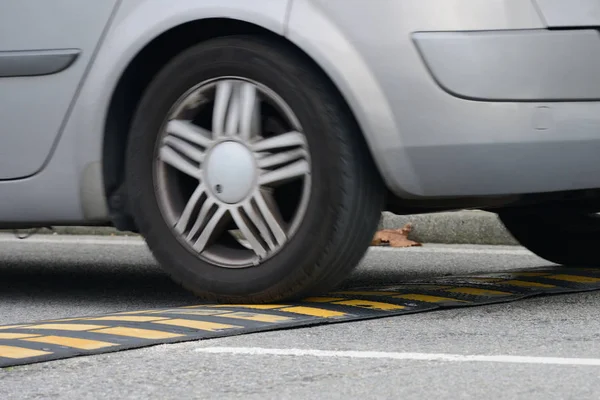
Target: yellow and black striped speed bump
(57, 339)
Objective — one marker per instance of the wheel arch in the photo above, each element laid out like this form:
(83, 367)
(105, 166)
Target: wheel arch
(140, 72)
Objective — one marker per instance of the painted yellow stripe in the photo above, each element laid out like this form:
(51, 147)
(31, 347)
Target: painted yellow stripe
(251, 306)
(195, 312)
(20, 352)
(126, 318)
(76, 343)
(418, 286)
(66, 327)
(138, 333)
(137, 312)
(428, 299)
(212, 306)
(256, 317)
(478, 292)
(152, 312)
(62, 320)
(313, 312)
(8, 335)
(366, 293)
(372, 305)
(486, 279)
(11, 326)
(323, 299)
(515, 282)
(201, 325)
(574, 278)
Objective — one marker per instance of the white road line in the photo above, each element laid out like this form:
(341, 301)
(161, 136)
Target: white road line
(258, 351)
(70, 240)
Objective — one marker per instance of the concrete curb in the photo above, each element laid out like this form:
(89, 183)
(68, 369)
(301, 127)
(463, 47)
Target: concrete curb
(460, 227)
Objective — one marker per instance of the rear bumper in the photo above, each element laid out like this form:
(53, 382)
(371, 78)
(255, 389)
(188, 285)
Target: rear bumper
(569, 13)
(523, 65)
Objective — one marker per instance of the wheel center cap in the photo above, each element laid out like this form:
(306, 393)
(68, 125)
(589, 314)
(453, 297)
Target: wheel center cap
(230, 172)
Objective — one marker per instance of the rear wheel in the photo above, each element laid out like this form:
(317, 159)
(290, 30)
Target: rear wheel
(247, 175)
(567, 238)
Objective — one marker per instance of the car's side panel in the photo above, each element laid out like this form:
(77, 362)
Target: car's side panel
(45, 48)
(427, 142)
(570, 13)
(368, 53)
(70, 188)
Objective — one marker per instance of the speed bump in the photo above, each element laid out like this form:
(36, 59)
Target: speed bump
(70, 337)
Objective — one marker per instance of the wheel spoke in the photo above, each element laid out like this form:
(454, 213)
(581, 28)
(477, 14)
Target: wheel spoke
(176, 160)
(269, 213)
(233, 113)
(285, 174)
(249, 111)
(191, 205)
(250, 234)
(272, 160)
(289, 139)
(236, 110)
(189, 132)
(222, 99)
(260, 225)
(209, 229)
(184, 148)
(265, 217)
(202, 217)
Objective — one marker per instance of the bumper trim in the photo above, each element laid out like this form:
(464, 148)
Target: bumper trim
(514, 65)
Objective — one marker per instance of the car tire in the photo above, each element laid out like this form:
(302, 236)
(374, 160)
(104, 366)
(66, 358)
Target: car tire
(569, 239)
(346, 191)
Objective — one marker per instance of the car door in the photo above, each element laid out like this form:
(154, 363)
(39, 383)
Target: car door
(45, 49)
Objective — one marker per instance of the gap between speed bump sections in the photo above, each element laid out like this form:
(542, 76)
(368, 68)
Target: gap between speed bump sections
(28, 343)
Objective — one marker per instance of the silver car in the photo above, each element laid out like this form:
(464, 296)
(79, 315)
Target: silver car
(254, 144)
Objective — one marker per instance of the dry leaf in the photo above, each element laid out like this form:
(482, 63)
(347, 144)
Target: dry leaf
(376, 241)
(394, 237)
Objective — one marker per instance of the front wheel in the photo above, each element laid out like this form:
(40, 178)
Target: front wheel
(567, 238)
(247, 175)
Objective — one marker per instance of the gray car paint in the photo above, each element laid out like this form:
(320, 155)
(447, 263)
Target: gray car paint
(32, 109)
(568, 13)
(67, 190)
(492, 65)
(426, 142)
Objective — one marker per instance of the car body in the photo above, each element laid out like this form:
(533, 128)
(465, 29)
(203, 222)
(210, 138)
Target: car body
(460, 103)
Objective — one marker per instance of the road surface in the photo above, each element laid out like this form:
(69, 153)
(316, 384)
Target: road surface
(540, 348)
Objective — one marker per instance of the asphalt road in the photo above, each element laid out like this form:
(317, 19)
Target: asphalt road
(413, 356)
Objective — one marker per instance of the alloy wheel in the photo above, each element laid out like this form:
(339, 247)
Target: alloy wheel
(232, 172)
